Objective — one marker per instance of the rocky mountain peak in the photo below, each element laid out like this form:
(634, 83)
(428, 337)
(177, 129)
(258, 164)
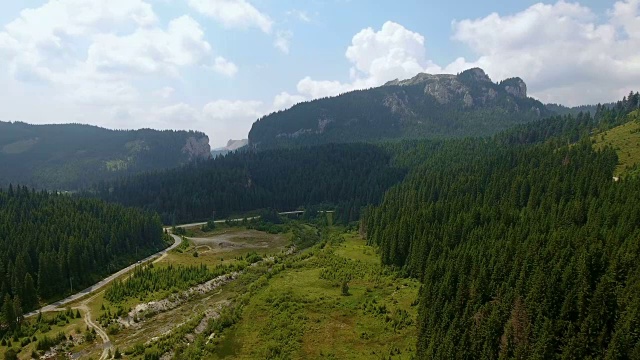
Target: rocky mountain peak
(197, 147)
(515, 86)
(475, 74)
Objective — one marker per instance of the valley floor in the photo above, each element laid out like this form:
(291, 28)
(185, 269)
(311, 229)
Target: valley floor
(332, 300)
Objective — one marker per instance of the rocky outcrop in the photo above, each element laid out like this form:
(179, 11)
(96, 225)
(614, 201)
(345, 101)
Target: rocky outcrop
(235, 144)
(426, 105)
(515, 87)
(446, 88)
(398, 105)
(197, 148)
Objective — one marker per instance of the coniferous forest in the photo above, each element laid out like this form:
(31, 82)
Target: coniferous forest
(525, 244)
(72, 156)
(348, 175)
(262, 179)
(524, 251)
(52, 242)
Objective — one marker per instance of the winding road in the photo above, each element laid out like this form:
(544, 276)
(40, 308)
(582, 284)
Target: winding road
(104, 282)
(58, 305)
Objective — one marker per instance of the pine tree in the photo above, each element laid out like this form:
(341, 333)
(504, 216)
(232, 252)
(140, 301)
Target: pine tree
(8, 312)
(29, 294)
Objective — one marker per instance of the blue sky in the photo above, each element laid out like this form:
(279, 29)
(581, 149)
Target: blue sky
(217, 65)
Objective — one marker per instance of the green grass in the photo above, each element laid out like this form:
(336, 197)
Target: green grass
(117, 165)
(292, 309)
(19, 147)
(355, 248)
(302, 312)
(73, 327)
(263, 243)
(625, 139)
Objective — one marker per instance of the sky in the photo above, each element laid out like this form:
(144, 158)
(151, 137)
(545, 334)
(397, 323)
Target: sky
(218, 65)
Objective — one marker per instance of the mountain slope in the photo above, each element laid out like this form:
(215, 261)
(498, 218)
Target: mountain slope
(430, 106)
(525, 246)
(66, 157)
(625, 140)
(46, 239)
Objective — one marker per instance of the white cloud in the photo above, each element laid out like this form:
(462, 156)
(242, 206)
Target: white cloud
(283, 41)
(151, 50)
(563, 53)
(179, 115)
(230, 119)
(284, 100)
(300, 15)
(229, 109)
(560, 50)
(43, 41)
(376, 57)
(224, 67)
(626, 14)
(93, 52)
(100, 61)
(391, 52)
(321, 88)
(164, 93)
(233, 13)
(94, 60)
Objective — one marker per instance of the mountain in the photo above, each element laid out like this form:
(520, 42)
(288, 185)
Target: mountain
(426, 106)
(526, 248)
(67, 157)
(625, 139)
(232, 145)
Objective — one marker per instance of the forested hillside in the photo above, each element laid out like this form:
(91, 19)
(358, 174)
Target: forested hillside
(347, 175)
(526, 246)
(50, 242)
(625, 139)
(68, 157)
(427, 106)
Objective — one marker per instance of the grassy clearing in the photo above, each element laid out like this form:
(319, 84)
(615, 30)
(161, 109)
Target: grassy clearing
(333, 300)
(625, 139)
(303, 313)
(166, 322)
(50, 325)
(224, 245)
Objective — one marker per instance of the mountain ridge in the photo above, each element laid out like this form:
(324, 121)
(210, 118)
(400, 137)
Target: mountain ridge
(69, 156)
(425, 106)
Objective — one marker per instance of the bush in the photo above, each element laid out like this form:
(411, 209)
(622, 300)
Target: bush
(345, 288)
(11, 355)
(151, 354)
(113, 329)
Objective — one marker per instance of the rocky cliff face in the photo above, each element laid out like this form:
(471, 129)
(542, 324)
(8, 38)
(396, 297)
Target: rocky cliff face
(197, 148)
(427, 105)
(516, 87)
(472, 87)
(235, 144)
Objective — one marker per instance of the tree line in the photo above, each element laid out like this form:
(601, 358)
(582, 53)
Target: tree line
(284, 179)
(526, 248)
(73, 156)
(53, 243)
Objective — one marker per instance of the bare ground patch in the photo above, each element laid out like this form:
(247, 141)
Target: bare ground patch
(247, 239)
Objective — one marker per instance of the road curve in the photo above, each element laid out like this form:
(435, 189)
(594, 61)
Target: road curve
(102, 283)
(106, 281)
